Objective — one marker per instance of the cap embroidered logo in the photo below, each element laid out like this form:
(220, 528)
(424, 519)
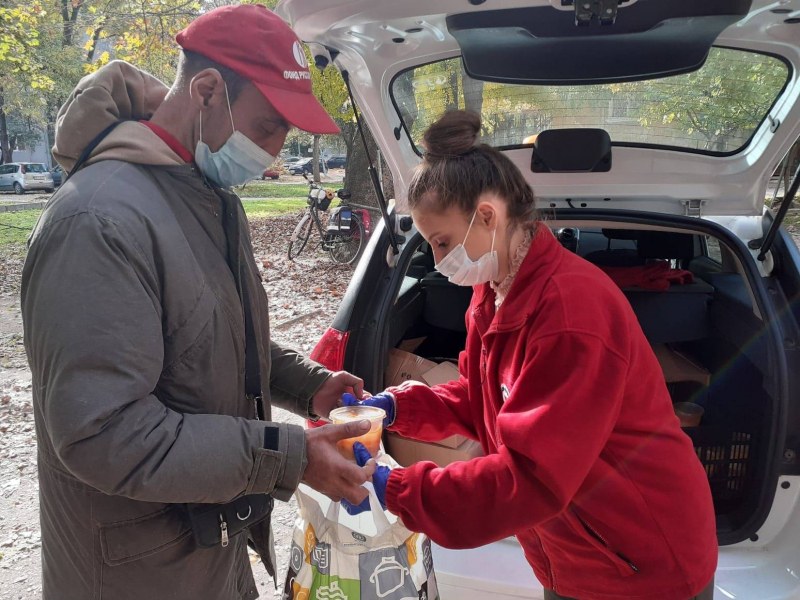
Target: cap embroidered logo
(299, 55)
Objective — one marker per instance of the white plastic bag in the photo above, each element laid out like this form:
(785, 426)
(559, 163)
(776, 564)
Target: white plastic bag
(371, 556)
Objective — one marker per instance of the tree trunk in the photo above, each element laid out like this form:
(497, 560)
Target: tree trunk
(348, 136)
(68, 20)
(473, 92)
(357, 179)
(315, 158)
(5, 147)
(452, 95)
(95, 39)
(52, 112)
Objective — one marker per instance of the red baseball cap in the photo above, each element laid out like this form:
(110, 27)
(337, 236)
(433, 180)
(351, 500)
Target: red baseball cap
(257, 44)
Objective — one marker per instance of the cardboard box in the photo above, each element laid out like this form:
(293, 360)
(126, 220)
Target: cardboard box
(678, 367)
(411, 344)
(407, 452)
(404, 366)
(441, 373)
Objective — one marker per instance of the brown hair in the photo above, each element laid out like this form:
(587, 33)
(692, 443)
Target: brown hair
(456, 170)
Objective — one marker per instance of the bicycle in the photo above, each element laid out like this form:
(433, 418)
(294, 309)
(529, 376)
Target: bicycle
(343, 237)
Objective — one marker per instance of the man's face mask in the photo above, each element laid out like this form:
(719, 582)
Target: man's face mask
(238, 160)
(460, 269)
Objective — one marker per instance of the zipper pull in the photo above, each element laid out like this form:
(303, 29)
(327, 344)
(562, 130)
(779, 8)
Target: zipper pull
(633, 567)
(223, 528)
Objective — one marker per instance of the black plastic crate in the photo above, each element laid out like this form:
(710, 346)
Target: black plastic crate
(728, 455)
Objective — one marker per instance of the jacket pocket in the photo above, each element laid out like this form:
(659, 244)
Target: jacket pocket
(126, 541)
(597, 540)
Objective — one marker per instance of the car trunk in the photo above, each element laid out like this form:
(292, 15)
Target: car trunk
(720, 339)
(714, 338)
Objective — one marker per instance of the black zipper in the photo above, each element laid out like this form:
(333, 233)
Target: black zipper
(591, 531)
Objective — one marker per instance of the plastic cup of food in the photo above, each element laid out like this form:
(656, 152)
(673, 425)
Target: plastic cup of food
(688, 413)
(371, 439)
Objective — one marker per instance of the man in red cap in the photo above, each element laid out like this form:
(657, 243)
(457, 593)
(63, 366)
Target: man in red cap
(147, 332)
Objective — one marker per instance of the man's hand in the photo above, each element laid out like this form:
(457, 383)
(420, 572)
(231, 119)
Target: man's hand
(327, 471)
(379, 480)
(330, 393)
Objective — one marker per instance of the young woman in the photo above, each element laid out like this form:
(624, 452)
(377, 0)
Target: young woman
(585, 461)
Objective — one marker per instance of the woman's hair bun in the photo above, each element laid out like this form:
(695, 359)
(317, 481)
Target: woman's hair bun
(455, 133)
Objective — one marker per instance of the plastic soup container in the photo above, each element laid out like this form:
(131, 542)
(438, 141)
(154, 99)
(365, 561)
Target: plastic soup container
(371, 439)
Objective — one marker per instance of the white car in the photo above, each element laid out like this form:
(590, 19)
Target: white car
(642, 142)
(24, 176)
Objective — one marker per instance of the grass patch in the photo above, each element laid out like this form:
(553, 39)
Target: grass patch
(792, 219)
(15, 227)
(273, 207)
(274, 189)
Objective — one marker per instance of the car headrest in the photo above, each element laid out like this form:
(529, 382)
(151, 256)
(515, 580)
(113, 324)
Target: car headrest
(665, 244)
(572, 151)
(621, 234)
(656, 244)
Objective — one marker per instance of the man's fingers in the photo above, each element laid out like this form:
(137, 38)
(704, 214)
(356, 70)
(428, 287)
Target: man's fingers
(356, 495)
(350, 430)
(356, 383)
(369, 468)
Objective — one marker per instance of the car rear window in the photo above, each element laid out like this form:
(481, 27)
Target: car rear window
(35, 168)
(714, 110)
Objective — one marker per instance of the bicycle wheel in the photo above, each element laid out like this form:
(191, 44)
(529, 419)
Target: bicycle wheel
(346, 247)
(300, 235)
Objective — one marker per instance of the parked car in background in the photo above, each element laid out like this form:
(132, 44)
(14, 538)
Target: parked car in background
(291, 159)
(337, 161)
(691, 169)
(57, 173)
(270, 174)
(24, 177)
(306, 165)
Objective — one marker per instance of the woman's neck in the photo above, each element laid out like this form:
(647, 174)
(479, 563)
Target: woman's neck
(515, 239)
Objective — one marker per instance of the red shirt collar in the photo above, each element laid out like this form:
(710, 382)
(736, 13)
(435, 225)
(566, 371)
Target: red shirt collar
(170, 140)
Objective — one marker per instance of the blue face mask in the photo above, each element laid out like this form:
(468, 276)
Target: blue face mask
(238, 160)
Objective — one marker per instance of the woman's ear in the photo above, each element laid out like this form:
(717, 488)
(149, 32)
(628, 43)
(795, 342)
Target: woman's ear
(207, 89)
(486, 214)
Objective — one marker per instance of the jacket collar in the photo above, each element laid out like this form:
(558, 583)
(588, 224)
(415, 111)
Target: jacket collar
(541, 262)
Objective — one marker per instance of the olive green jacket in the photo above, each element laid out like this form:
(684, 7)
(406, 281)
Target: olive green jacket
(134, 331)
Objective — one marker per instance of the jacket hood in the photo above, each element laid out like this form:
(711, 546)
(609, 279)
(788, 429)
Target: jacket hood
(116, 92)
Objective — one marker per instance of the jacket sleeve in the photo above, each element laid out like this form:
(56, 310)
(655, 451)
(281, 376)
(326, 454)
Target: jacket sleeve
(294, 379)
(550, 431)
(434, 413)
(93, 333)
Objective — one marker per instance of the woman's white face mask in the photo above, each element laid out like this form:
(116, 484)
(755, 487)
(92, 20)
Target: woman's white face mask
(460, 269)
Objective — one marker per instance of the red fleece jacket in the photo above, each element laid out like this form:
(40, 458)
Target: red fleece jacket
(585, 460)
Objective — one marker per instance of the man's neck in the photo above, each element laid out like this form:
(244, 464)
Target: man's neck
(173, 118)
